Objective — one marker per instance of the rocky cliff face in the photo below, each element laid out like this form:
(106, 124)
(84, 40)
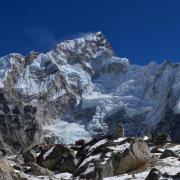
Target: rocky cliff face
(81, 89)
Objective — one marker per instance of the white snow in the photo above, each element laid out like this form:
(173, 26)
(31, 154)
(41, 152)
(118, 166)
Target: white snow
(88, 170)
(120, 148)
(138, 176)
(120, 139)
(93, 99)
(48, 153)
(99, 143)
(90, 158)
(58, 94)
(65, 176)
(145, 138)
(171, 165)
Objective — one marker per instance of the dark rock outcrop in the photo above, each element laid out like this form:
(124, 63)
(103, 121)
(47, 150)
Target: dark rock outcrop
(168, 153)
(119, 132)
(58, 158)
(80, 142)
(19, 127)
(154, 174)
(161, 138)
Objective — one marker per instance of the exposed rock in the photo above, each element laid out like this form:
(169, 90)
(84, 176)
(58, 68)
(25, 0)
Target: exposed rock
(58, 158)
(5, 174)
(135, 156)
(29, 156)
(6, 171)
(80, 142)
(18, 128)
(38, 170)
(154, 174)
(161, 138)
(155, 150)
(176, 177)
(168, 153)
(119, 132)
(109, 157)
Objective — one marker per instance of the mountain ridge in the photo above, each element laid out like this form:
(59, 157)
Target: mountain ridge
(82, 88)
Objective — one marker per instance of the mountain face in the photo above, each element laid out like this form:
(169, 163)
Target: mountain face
(80, 89)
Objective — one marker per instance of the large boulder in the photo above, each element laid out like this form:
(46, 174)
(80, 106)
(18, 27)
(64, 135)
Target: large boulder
(110, 157)
(132, 158)
(58, 158)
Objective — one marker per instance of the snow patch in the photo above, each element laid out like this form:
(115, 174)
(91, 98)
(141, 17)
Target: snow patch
(88, 170)
(120, 148)
(99, 143)
(90, 158)
(48, 153)
(65, 176)
(119, 139)
(171, 165)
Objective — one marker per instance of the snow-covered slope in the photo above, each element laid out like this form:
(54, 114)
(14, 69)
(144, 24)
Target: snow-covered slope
(82, 87)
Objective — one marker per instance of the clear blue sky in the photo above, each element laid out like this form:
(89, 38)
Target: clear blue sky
(141, 30)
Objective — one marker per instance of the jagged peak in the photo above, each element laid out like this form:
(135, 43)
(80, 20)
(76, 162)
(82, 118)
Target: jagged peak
(89, 41)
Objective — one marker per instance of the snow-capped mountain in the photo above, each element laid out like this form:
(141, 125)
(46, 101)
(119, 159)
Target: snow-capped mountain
(81, 89)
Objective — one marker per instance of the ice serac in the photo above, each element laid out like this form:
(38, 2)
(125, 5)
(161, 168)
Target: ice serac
(81, 89)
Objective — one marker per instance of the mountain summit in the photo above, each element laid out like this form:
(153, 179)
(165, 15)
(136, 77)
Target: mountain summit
(80, 89)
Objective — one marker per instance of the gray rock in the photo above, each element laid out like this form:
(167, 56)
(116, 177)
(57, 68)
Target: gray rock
(154, 174)
(134, 157)
(110, 157)
(168, 153)
(6, 172)
(39, 171)
(119, 131)
(29, 156)
(58, 158)
(80, 142)
(155, 150)
(161, 138)
(19, 127)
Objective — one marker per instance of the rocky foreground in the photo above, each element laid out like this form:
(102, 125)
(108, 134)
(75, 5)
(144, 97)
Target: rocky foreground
(108, 158)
